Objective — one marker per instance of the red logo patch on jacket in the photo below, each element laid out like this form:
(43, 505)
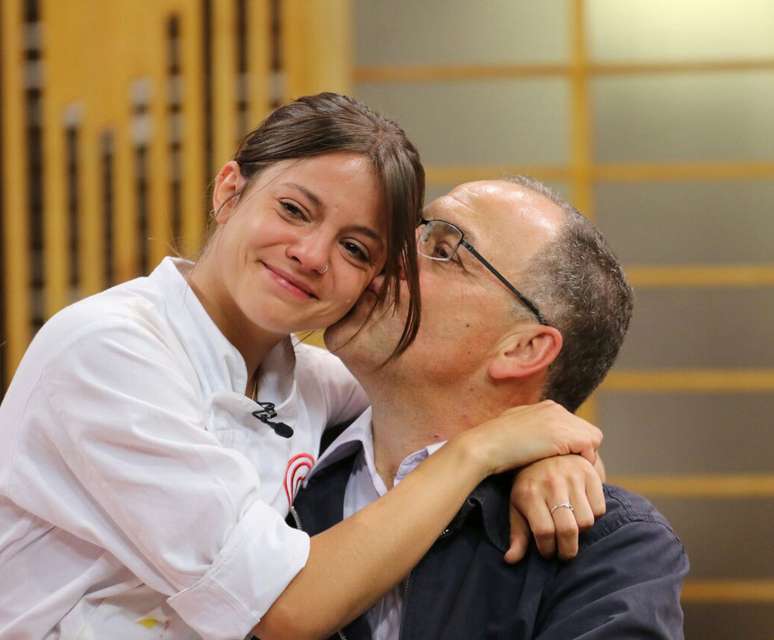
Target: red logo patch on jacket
(297, 469)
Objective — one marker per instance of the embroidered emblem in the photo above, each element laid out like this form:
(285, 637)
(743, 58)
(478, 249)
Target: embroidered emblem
(297, 469)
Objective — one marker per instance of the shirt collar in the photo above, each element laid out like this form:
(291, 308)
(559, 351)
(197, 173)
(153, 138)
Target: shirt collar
(209, 350)
(359, 435)
(491, 497)
(356, 436)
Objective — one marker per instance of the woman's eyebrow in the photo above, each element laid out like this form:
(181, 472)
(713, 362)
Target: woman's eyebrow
(368, 231)
(315, 199)
(317, 202)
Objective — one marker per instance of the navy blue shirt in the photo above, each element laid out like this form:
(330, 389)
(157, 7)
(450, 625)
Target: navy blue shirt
(624, 583)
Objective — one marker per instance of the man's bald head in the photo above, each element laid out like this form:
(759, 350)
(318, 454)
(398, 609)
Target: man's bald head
(579, 284)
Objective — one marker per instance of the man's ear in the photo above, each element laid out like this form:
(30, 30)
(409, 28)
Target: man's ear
(229, 183)
(528, 351)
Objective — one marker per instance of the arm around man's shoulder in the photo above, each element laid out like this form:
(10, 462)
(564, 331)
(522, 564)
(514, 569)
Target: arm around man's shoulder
(625, 582)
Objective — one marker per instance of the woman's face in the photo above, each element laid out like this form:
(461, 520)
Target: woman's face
(301, 242)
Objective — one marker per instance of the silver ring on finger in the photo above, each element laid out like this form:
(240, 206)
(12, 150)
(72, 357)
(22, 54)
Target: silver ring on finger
(563, 505)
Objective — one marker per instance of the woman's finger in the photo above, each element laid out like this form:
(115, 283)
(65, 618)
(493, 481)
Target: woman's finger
(563, 513)
(520, 535)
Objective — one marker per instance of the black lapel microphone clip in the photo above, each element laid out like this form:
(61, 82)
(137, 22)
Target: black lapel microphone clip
(267, 414)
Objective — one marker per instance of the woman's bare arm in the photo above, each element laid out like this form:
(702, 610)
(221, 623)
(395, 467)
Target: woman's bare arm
(352, 564)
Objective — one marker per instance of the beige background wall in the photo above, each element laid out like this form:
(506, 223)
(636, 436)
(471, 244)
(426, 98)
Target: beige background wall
(656, 118)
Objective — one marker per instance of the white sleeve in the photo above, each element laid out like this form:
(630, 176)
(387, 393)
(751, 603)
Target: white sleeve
(131, 468)
(344, 398)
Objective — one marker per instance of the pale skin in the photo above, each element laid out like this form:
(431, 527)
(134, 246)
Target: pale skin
(308, 235)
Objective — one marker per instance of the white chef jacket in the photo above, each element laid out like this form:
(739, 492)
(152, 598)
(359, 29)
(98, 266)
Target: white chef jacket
(139, 497)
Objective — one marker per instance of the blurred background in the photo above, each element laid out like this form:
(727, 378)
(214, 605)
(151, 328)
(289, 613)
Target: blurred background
(654, 117)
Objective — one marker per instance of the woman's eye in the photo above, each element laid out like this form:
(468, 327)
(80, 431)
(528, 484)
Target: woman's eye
(292, 211)
(356, 251)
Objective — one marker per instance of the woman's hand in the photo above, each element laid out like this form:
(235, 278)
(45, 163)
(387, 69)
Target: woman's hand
(525, 434)
(538, 489)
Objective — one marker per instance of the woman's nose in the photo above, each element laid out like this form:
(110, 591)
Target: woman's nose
(312, 254)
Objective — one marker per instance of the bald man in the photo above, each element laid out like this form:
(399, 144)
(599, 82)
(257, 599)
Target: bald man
(522, 301)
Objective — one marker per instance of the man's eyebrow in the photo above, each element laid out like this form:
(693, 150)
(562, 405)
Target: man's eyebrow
(470, 236)
(315, 199)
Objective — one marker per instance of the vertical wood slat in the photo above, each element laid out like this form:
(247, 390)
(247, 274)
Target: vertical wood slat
(258, 61)
(91, 263)
(193, 179)
(124, 27)
(224, 81)
(91, 254)
(56, 79)
(15, 204)
(317, 46)
(160, 219)
(580, 142)
(581, 145)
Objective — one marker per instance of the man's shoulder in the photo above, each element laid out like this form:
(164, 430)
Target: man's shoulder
(626, 509)
(625, 580)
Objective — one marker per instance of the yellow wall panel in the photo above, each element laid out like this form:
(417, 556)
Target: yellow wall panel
(194, 180)
(58, 77)
(317, 46)
(96, 111)
(159, 227)
(224, 81)
(258, 60)
(15, 205)
(125, 27)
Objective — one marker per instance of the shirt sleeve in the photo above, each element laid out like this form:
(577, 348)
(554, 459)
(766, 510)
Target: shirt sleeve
(119, 455)
(626, 584)
(344, 398)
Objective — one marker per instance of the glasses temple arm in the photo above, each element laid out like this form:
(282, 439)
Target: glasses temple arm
(522, 298)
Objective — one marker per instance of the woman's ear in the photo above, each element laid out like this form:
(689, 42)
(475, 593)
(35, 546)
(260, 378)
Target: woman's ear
(530, 350)
(228, 185)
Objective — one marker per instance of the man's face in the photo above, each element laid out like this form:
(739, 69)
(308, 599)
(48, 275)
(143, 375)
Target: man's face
(465, 309)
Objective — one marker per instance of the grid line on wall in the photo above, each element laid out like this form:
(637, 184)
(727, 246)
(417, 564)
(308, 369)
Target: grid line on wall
(460, 72)
(719, 485)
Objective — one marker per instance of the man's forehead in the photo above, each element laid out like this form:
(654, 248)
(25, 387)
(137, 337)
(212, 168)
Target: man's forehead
(490, 205)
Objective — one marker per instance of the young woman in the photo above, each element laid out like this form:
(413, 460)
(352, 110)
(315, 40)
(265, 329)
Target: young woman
(155, 434)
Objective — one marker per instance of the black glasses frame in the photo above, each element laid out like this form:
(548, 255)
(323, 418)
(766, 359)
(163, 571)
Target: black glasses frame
(519, 295)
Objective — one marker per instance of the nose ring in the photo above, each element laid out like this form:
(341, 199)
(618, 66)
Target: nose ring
(324, 269)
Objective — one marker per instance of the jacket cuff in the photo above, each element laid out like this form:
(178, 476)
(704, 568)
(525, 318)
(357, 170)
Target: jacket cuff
(259, 559)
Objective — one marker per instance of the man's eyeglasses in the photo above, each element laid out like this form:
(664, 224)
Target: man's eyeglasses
(440, 240)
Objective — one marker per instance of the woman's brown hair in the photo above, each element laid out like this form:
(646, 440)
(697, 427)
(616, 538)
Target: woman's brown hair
(330, 123)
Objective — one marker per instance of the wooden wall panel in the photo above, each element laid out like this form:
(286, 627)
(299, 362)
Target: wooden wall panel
(106, 76)
(194, 180)
(258, 61)
(14, 191)
(317, 50)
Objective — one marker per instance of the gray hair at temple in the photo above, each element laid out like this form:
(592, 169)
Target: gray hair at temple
(580, 287)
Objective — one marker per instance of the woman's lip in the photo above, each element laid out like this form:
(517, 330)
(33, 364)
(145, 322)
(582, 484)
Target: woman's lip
(290, 283)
